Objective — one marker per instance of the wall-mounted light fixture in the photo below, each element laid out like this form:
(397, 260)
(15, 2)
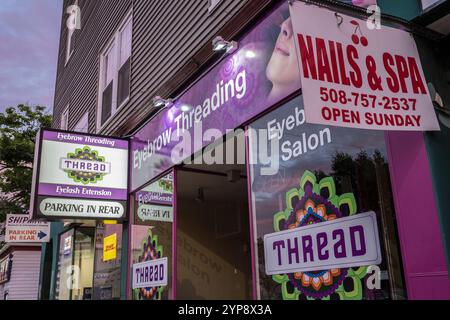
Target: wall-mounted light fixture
(159, 102)
(219, 44)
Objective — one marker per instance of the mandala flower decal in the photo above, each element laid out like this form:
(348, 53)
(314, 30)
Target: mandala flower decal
(77, 169)
(315, 203)
(166, 185)
(151, 250)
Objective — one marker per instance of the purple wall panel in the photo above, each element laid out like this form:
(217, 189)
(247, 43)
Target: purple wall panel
(420, 235)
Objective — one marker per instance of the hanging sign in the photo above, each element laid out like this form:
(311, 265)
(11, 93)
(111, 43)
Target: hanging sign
(342, 243)
(79, 176)
(355, 77)
(21, 229)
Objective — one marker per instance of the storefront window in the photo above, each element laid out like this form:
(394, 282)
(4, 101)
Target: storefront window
(324, 173)
(152, 234)
(75, 265)
(64, 281)
(108, 251)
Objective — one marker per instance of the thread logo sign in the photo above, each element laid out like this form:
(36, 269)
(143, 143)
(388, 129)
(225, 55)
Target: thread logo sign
(85, 166)
(340, 243)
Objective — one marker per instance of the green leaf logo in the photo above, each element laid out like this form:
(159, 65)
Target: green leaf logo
(85, 166)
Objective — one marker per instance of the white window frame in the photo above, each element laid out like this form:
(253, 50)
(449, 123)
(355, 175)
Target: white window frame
(115, 40)
(64, 122)
(83, 124)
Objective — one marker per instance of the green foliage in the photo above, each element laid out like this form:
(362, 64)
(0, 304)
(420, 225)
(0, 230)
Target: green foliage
(18, 128)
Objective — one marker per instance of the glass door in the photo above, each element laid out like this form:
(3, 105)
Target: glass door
(83, 262)
(75, 265)
(64, 280)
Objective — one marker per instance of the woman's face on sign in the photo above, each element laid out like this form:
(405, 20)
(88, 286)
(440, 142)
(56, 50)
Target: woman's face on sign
(282, 69)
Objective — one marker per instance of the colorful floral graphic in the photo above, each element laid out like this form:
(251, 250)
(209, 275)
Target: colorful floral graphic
(151, 250)
(317, 202)
(85, 177)
(166, 185)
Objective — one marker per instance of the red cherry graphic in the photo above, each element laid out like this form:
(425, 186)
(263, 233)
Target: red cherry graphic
(355, 39)
(364, 41)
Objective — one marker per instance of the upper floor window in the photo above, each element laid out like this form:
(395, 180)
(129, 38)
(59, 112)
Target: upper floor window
(64, 124)
(115, 65)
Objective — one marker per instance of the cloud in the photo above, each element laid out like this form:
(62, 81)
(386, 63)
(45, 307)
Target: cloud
(29, 40)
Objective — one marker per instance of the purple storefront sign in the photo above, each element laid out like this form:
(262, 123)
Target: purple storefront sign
(70, 191)
(262, 72)
(85, 139)
(146, 197)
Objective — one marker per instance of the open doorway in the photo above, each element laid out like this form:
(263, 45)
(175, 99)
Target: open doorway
(213, 232)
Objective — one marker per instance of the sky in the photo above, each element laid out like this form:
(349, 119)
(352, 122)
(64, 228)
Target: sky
(29, 41)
